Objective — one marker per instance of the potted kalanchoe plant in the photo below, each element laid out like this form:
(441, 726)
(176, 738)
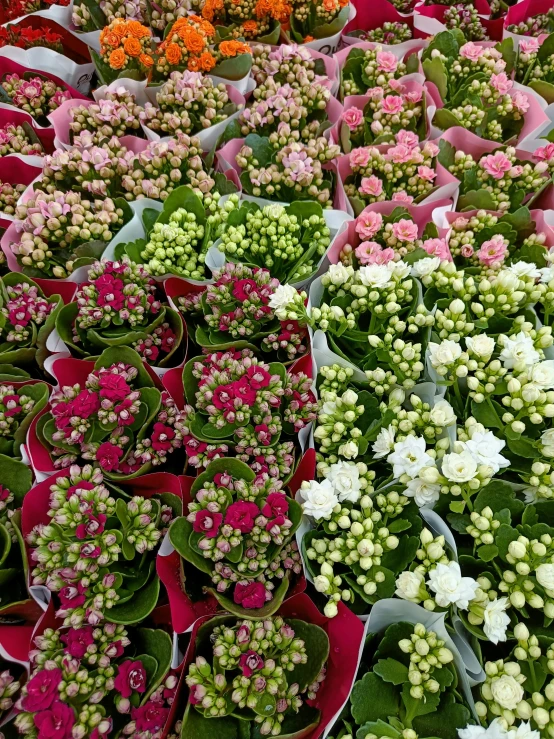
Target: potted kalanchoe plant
(100, 680)
(33, 93)
(15, 600)
(375, 67)
(57, 233)
(114, 416)
(317, 19)
(258, 21)
(19, 404)
(238, 403)
(125, 51)
(262, 674)
(235, 312)
(534, 66)
(94, 546)
(121, 305)
(117, 114)
(237, 541)
(480, 99)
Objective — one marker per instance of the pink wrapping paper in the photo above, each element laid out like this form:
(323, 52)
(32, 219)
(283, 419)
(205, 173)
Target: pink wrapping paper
(18, 117)
(360, 101)
(526, 9)
(422, 215)
(345, 633)
(16, 171)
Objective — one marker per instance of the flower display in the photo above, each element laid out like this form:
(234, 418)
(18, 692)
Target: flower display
(96, 571)
(36, 94)
(186, 45)
(9, 195)
(15, 139)
(116, 419)
(535, 25)
(534, 66)
(26, 37)
(238, 537)
(115, 115)
(373, 68)
(267, 656)
(125, 50)
(315, 19)
(257, 20)
(59, 231)
(121, 305)
(290, 64)
(389, 34)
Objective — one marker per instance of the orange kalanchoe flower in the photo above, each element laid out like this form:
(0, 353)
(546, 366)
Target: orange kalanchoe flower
(132, 46)
(234, 48)
(126, 45)
(117, 59)
(186, 46)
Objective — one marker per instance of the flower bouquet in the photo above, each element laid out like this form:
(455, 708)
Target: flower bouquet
(411, 681)
(101, 680)
(178, 238)
(14, 646)
(534, 66)
(88, 17)
(121, 305)
(383, 23)
(370, 65)
(54, 234)
(389, 34)
(30, 38)
(530, 18)
(27, 317)
(186, 45)
(317, 20)
(283, 168)
(94, 545)
(289, 241)
(112, 415)
(19, 139)
(238, 538)
(259, 20)
(14, 9)
(19, 404)
(15, 601)
(367, 178)
(33, 93)
(474, 86)
(237, 403)
(126, 51)
(305, 702)
(376, 118)
(493, 178)
(237, 313)
(292, 64)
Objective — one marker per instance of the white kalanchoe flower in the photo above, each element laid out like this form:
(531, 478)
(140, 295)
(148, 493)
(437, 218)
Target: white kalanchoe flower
(339, 274)
(496, 620)
(481, 346)
(545, 575)
(547, 274)
(518, 349)
(524, 269)
(485, 448)
(507, 692)
(399, 269)
(345, 478)
(281, 299)
(349, 450)
(409, 586)
(424, 493)
(409, 456)
(426, 266)
(450, 587)
(524, 731)
(375, 275)
(547, 442)
(445, 353)
(542, 374)
(495, 730)
(318, 499)
(459, 467)
(442, 414)
(384, 442)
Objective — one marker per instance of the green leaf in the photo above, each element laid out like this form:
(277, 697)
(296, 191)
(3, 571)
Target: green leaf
(373, 699)
(391, 671)
(523, 447)
(417, 707)
(485, 413)
(317, 646)
(268, 609)
(196, 726)
(487, 552)
(179, 535)
(499, 495)
(139, 607)
(444, 722)
(182, 197)
(158, 644)
(261, 148)
(233, 69)
(435, 71)
(17, 477)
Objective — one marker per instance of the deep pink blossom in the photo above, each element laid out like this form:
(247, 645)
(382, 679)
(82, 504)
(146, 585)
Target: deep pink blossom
(131, 677)
(249, 662)
(250, 595)
(108, 456)
(55, 722)
(241, 515)
(77, 640)
(42, 689)
(207, 523)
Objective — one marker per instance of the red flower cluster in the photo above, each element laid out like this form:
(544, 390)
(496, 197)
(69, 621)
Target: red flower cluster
(28, 38)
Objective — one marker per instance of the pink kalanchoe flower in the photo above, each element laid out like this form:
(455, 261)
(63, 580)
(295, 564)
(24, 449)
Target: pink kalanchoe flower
(392, 104)
(108, 456)
(92, 526)
(397, 86)
(401, 154)
(544, 153)
(437, 248)
(371, 186)
(496, 165)
(258, 377)
(250, 595)
(426, 173)
(368, 224)
(520, 101)
(113, 386)
(467, 251)
(360, 157)
(131, 677)
(249, 662)
(150, 718)
(471, 51)
(370, 252)
(414, 96)
(353, 117)
(386, 61)
(402, 197)
(77, 640)
(56, 722)
(408, 138)
(493, 252)
(405, 230)
(529, 46)
(241, 515)
(276, 504)
(207, 523)
(42, 689)
(501, 83)
(162, 436)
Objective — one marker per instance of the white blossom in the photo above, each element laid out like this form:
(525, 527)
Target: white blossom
(518, 349)
(442, 414)
(338, 274)
(445, 353)
(409, 456)
(408, 585)
(384, 442)
(507, 692)
(425, 266)
(375, 275)
(524, 269)
(545, 575)
(524, 731)
(459, 467)
(450, 587)
(496, 620)
(424, 493)
(318, 498)
(345, 478)
(495, 730)
(481, 345)
(485, 448)
(281, 299)
(542, 374)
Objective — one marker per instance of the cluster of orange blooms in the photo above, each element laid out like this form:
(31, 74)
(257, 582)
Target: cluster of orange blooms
(127, 45)
(250, 17)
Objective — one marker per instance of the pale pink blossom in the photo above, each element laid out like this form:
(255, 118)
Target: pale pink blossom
(430, 149)
(371, 186)
(375, 93)
(368, 224)
(501, 83)
(386, 61)
(392, 105)
(353, 117)
(408, 138)
(360, 157)
(370, 252)
(493, 252)
(426, 173)
(405, 230)
(437, 248)
(529, 46)
(520, 101)
(466, 251)
(414, 96)
(402, 197)
(471, 51)
(544, 153)
(516, 171)
(496, 165)
(400, 154)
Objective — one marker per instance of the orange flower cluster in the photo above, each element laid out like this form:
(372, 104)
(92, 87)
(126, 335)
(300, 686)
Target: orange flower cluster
(186, 46)
(250, 18)
(127, 45)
